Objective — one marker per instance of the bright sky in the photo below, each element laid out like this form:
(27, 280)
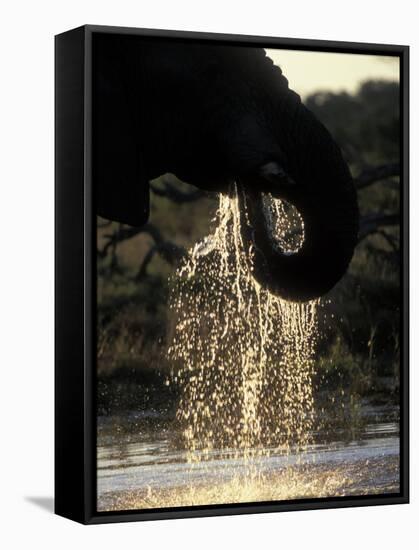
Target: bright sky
(309, 72)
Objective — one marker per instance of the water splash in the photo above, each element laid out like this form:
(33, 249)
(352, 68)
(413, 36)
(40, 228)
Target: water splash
(243, 357)
(301, 481)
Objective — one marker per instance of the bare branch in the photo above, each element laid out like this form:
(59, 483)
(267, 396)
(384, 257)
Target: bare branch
(372, 223)
(390, 240)
(125, 233)
(169, 251)
(375, 174)
(171, 192)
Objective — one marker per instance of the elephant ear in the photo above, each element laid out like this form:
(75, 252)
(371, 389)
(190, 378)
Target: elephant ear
(120, 184)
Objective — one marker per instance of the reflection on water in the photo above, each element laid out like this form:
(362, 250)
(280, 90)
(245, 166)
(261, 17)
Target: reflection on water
(147, 469)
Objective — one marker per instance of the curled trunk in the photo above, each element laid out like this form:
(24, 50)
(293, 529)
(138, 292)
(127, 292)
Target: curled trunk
(324, 195)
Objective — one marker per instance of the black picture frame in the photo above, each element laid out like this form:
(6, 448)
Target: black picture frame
(75, 280)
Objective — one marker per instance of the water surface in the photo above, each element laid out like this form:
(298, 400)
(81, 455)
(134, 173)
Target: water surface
(142, 465)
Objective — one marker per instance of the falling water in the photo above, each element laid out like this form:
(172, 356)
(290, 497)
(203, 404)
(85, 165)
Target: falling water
(243, 357)
(243, 360)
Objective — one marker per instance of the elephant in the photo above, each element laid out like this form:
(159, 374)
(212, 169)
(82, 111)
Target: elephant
(213, 113)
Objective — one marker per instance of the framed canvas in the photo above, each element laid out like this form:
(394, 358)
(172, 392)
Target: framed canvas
(231, 274)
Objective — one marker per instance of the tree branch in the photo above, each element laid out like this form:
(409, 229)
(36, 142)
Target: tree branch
(377, 173)
(390, 240)
(125, 233)
(373, 222)
(171, 192)
(169, 251)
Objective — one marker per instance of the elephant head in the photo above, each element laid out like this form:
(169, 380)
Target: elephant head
(214, 114)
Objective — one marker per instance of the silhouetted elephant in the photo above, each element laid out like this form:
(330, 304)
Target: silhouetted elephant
(212, 114)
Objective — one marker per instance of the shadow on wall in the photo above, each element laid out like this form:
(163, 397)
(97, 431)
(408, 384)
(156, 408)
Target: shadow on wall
(45, 503)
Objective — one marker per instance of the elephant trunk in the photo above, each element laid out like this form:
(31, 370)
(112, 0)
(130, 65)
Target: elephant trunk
(320, 187)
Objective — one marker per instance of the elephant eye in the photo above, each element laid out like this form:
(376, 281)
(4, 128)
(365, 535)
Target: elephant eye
(285, 224)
